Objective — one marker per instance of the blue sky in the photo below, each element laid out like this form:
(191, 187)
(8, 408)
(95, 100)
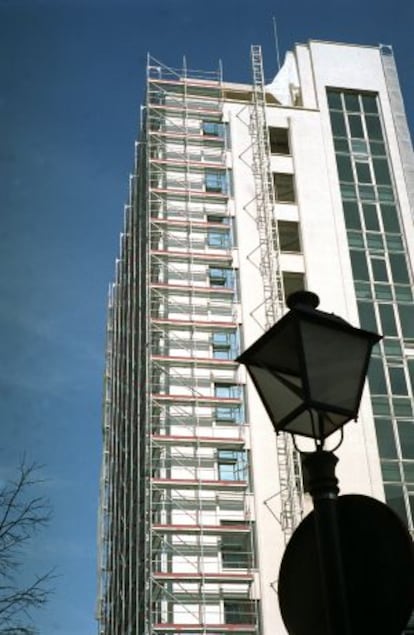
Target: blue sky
(71, 79)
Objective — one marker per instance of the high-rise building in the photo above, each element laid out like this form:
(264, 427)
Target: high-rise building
(241, 194)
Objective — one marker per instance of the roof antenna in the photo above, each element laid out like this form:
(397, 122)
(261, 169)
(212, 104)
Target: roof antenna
(275, 35)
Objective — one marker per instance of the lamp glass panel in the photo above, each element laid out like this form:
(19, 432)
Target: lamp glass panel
(335, 361)
(277, 349)
(281, 395)
(306, 424)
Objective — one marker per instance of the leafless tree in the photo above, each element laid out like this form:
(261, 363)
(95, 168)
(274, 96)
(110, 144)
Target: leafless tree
(22, 513)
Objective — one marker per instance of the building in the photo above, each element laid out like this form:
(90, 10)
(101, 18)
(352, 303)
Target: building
(240, 195)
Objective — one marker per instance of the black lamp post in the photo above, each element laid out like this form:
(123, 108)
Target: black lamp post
(309, 370)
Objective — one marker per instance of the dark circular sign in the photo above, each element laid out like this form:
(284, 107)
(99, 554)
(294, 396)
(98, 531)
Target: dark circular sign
(378, 561)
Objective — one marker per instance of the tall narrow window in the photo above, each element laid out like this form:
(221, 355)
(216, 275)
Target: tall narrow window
(223, 345)
(289, 236)
(235, 548)
(279, 140)
(284, 187)
(293, 281)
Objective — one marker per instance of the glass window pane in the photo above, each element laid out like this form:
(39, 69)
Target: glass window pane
(402, 407)
(392, 347)
(373, 127)
(395, 499)
(363, 172)
(355, 126)
(367, 317)
(383, 291)
(379, 269)
(366, 192)
(369, 103)
(397, 380)
(376, 377)
(390, 471)
(390, 218)
(406, 434)
(394, 242)
(399, 268)
(352, 102)
(334, 99)
(344, 167)
(363, 290)
(388, 324)
(385, 438)
(403, 293)
(355, 239)
(370, 216)
(385, 193)
(406, 313)
(351, 212)
(381, 171)
(359, 265)
(348, 190)
(381, 406)
(338, 124)
(408, 472)
(410, 364)
(374, 242)
(359, 147)
(341, 145)
(377, 148)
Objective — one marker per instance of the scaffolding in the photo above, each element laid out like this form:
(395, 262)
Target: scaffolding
(289, 468)
(176, 527)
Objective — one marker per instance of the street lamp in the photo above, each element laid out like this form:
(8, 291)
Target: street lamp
(309, 370)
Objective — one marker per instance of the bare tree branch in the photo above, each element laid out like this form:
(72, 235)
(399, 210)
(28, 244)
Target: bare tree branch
(22, 514)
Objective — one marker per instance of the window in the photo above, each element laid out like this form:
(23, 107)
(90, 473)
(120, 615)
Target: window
(223, 345)
(217, 239)
(363, 172)
(406, 434)
(213, 129)
(399, 268)
(388, 325)
(239, 612)
(397, 380)
(279, 140)
(284, 187)
(406, 312)
(228, 413)
(359, 265)
(293, 281)
(344, 165)
(385, 438)
(376, 377)
(370, 217)
(289, 236)
(338, 124)
(379, 269)
(382, 173)
(232, 465)
(367, 317)
(235, 548)
(218, 219)
(351, 213)
(215, 182)
(352, 102)
(355, 126)
(220, 277)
